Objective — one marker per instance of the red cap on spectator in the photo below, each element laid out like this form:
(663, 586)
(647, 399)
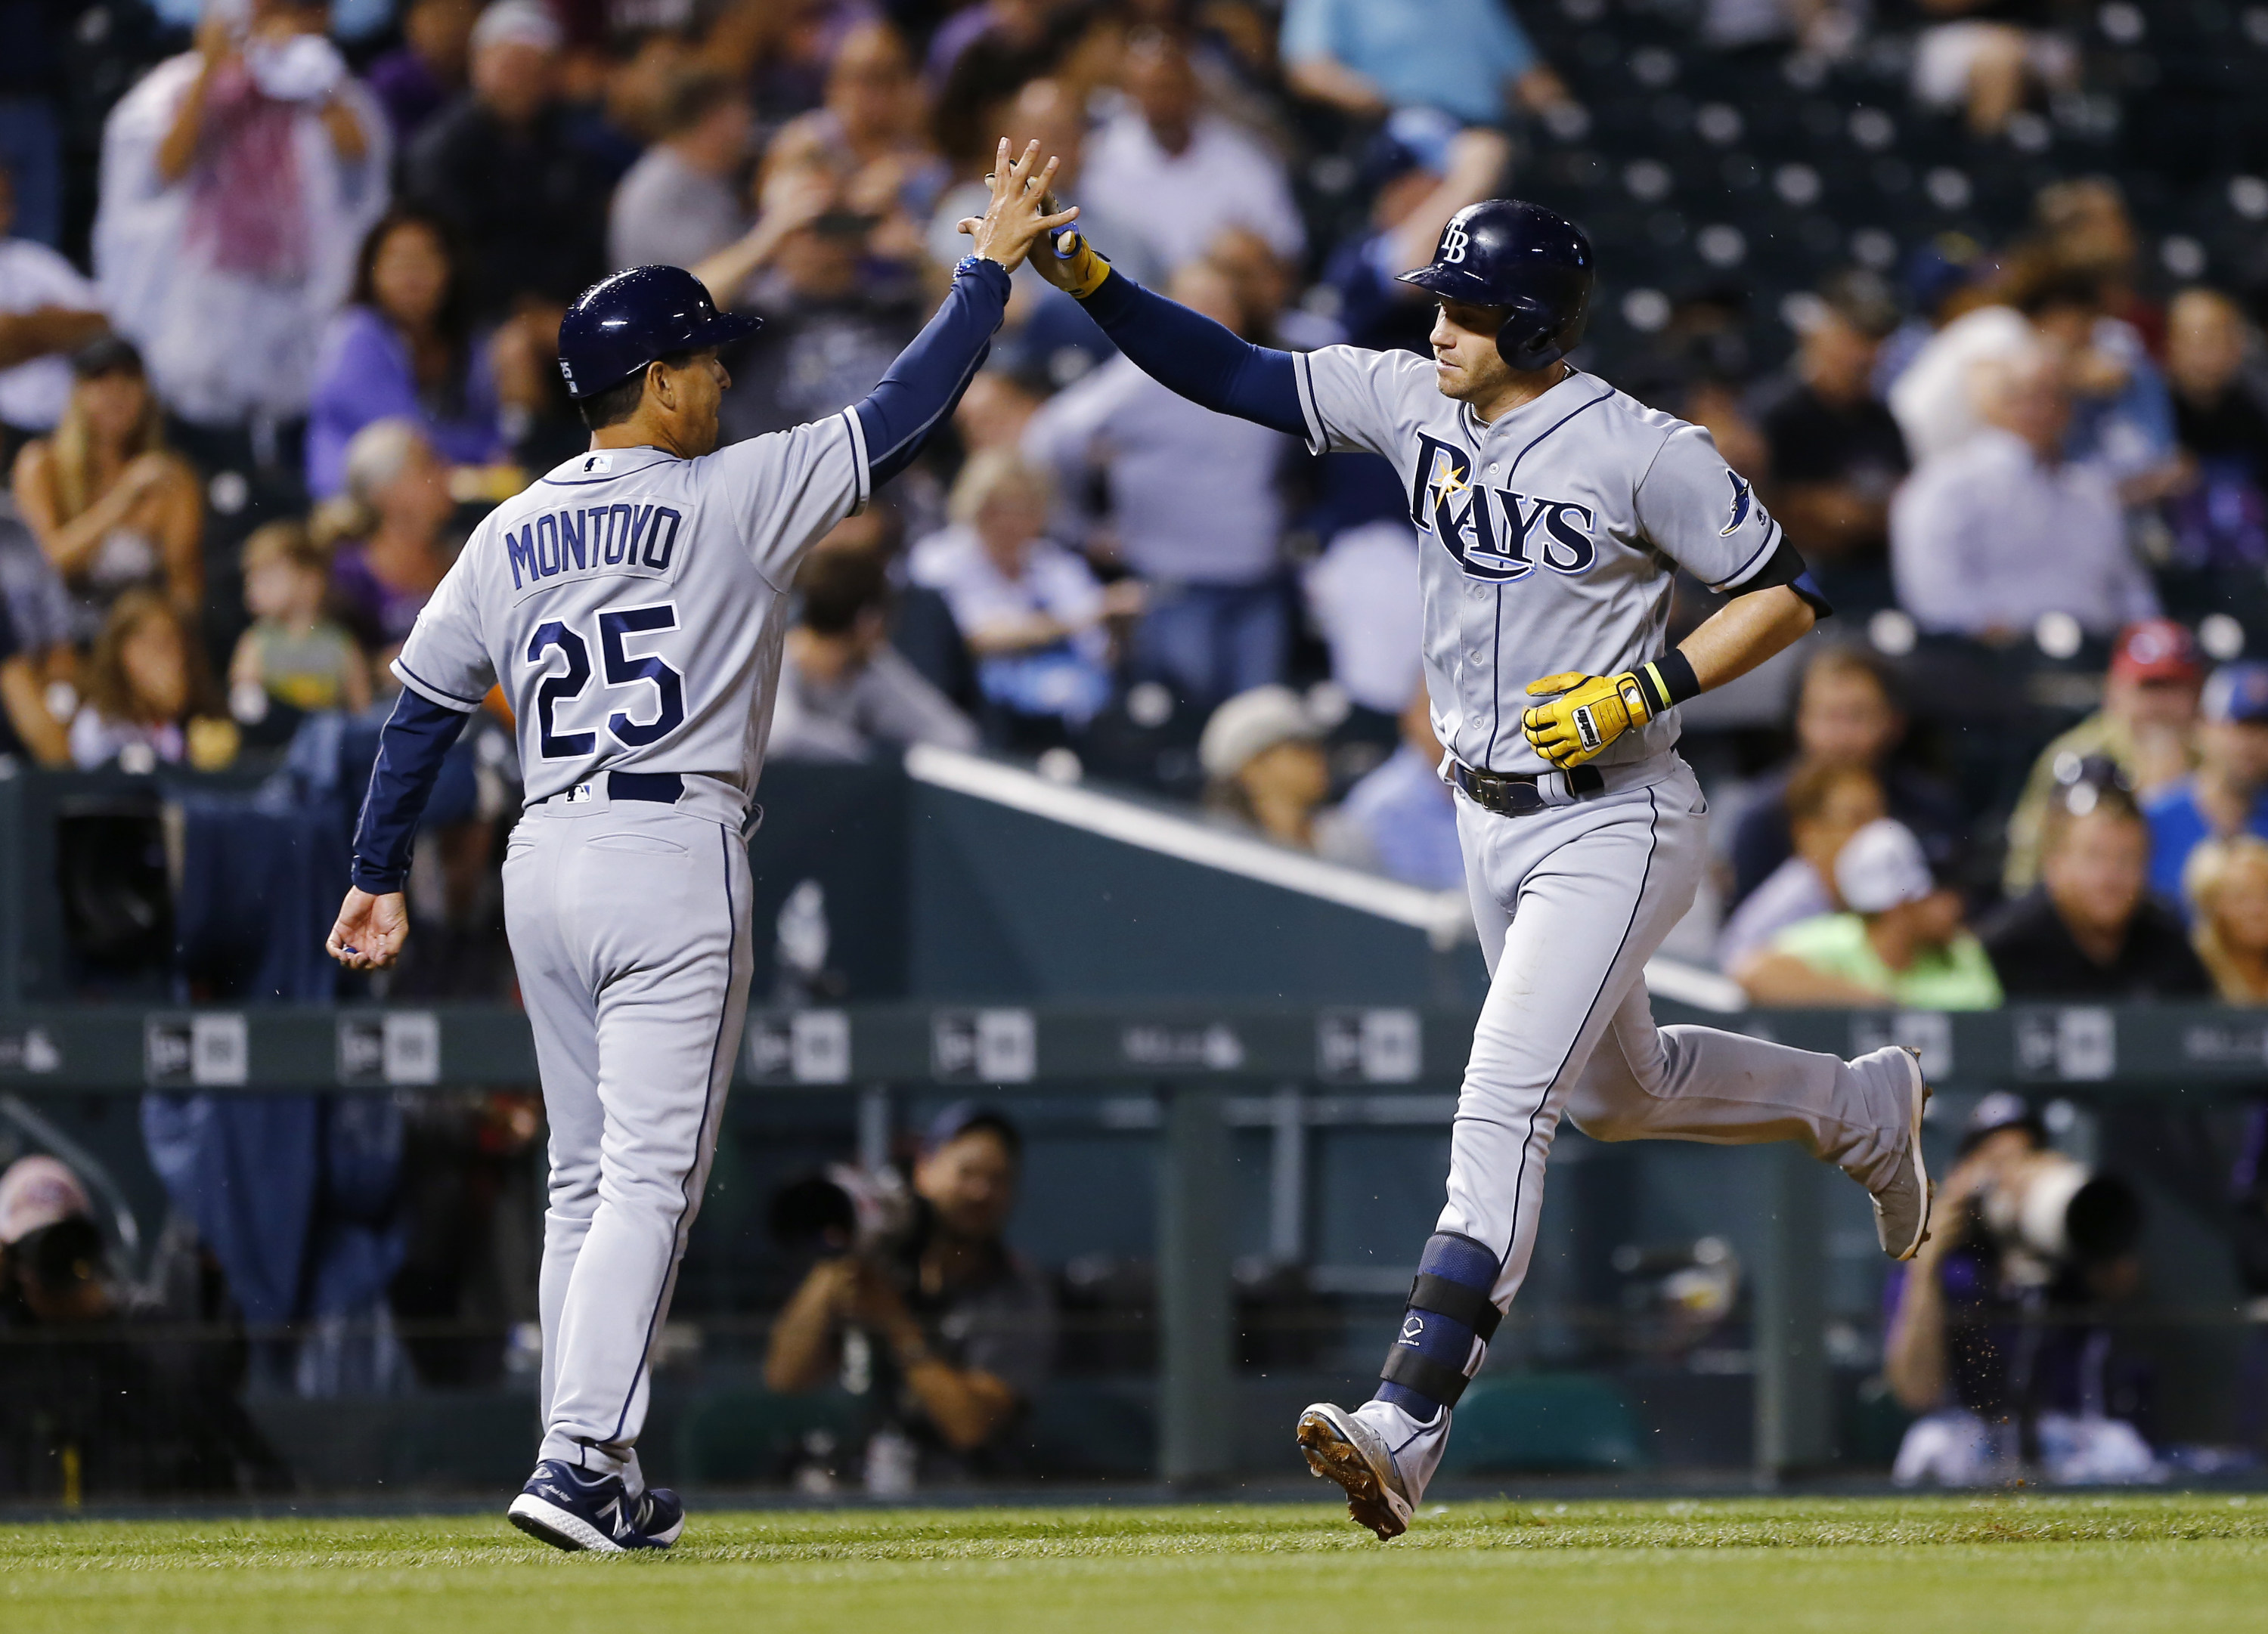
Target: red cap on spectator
(2156, 649)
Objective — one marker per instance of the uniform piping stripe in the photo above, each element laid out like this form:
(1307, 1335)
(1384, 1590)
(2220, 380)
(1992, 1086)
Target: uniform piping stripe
(708, 1097)
(1520, 1181)
(862, 474)
(1556, 425)
(1755, 563)
(446, 699)
(1303, 377)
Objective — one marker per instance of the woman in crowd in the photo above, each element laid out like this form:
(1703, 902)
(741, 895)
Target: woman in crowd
(388, 529)
(112, 507)
(403, 349)
(142, 682)
(1265, 770)
(2227, 883)
(1031, 612)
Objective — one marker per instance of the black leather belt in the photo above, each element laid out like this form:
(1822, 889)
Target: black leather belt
(1514, 794)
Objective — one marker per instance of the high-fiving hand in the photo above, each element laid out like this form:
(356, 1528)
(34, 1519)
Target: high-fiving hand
(1017, 217)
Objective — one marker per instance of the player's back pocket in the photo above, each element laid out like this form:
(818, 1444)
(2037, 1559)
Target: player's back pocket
(643, 844)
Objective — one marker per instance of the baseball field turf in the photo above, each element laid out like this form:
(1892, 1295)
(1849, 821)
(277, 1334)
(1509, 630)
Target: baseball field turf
(1999, 1564)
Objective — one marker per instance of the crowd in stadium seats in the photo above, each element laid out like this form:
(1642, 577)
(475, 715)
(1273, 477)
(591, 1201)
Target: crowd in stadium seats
(1977, 314)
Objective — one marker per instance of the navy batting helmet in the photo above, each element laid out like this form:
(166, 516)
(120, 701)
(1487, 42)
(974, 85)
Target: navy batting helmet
(621, 324)
(1510, 254)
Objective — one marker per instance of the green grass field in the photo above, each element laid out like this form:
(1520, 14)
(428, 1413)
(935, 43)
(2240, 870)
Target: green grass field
(1919, 1566)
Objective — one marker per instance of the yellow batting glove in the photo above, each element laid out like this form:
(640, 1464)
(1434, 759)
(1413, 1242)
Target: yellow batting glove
(1591, 711)
(1079, 269)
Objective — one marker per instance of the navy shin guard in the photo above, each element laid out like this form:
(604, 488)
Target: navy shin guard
(1450, 1306)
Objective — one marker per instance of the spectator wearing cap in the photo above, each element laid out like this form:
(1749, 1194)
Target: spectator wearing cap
(1183, 171)
(1191, 501)
(1033, 613)
(844, 688)
(1404, 813)
(38, 1195)
(113, 507)
(1900, 942)
(2091, 930)
(1847, 714)
(1263, 757)
(1366, 58)
(237, 180)
(681, 200)
(962, 1325)
(1836, 453)
(2228, 794)
(504, 166)
(2146, 730)
(48, 309)
(1827, 802)
(1990, 536)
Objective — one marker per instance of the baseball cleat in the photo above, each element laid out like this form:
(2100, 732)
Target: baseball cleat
(595, 1513)
(1340, 1447)
(1902, 1206)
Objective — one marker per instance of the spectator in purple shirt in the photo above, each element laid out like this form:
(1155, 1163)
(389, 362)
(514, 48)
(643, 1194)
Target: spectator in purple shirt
(417, 77)
(402, 349)
(387, 531)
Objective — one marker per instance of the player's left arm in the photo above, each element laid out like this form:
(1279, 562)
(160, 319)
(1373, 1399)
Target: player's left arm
(1705, 517)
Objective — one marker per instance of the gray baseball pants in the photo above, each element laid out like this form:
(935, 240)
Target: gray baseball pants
(630, 930)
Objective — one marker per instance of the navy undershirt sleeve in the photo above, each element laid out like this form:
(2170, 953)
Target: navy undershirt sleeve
(1205, 362)
(924, 385)
(410, 748)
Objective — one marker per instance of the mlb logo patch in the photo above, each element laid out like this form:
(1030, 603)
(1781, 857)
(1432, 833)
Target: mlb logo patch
(579, 795)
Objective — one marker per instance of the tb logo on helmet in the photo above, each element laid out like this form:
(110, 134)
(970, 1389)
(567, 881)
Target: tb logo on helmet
(1454, 239)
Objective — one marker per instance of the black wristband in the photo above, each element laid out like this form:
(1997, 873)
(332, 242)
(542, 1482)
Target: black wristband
(1668, 681)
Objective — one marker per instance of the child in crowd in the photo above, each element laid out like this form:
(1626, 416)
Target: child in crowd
(293, 654)
(142, 685)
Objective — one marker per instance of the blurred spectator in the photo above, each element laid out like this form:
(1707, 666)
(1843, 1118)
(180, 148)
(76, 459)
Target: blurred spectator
(237, 180)
(1365, 58)
(1403, 815)
(2122, 419)
(2144, 730)
(2228, 794)
(25, 726)
(2220, 522)
(1418, 171)
(1835, 451)
(1935, 397)
(2090, 930)
(994, 410)
(1900, 941)
(2006, 1352)
(1987, 537)
(1191, 504)
(110, 504)
(1031, 611)
(421, 75)
(2225, 884)
(1819, 28)
(981, 55)
(1845, 715)
(1826, 802)
(681, 200)
(870, 132)
(2084, 225)
(1263, 757)
(390, 516)
(504, 166)
(48, 310)
(1363, 599)
(1988, 55)
(835, 320)
(1181, 171)
(844, 688)
(965, 1328)
(142, 683)
(403, 349)
(292, 653)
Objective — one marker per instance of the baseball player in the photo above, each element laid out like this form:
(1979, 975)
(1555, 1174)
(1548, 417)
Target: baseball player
(631, 605)
(1552, 512)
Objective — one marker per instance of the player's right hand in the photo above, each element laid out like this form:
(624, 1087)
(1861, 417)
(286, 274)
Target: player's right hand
(1590, 712)
(1018, 215)
(369, 931)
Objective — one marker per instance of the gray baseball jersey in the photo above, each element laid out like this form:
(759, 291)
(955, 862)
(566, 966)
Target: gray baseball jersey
(632, 605)
(1547, 540)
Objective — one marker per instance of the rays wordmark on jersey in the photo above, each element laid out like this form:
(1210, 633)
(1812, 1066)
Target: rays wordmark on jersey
(1497, 534)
